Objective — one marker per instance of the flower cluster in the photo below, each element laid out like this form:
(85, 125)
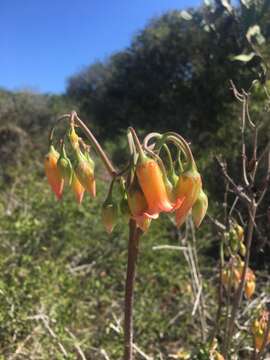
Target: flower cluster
(259, 330)
(232, 274)
(153, 186)
(78, 174)
(233, 269)
(234, 240)
(149, 185)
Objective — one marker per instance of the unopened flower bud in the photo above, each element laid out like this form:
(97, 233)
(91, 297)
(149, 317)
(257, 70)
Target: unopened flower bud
(53, 174)
(73, 137)
(136, 200)
(109, 214)
(240, 232)
(64, 166)
(242, 249)
(84, 170)
(199, 208)
(250, 288)
(250, 284)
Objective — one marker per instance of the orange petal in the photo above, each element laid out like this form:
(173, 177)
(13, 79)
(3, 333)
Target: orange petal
(77, 188)
(152, 184)
(188, 188)
(53, 174)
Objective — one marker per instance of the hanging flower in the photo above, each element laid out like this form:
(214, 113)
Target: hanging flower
(199, 208)
(84, 171)
(152, 184)
(187, 189)
(77, 188)
(53, 174)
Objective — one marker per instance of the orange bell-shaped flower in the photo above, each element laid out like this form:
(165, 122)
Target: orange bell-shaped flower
(53, 174)
(188, 189)
(84, 171)
(152, 184)
(199, 208)
(136, 199)
(250, 284)
(77, 188)
(138, 206)
(259, 328)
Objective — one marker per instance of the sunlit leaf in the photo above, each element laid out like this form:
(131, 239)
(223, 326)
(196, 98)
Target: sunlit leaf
(227, 6)
(185, 15)
(255, 32)
(244, 57)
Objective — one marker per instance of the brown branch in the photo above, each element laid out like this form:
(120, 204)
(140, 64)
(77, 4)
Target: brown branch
(239, 292)
(236, 188)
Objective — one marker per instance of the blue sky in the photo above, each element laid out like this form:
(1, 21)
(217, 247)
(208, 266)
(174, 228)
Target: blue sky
(43, 42)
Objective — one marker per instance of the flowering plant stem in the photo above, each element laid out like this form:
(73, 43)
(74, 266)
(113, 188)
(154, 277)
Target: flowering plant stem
(133, 248)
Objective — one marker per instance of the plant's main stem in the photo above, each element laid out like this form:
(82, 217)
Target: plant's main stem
(133, 248)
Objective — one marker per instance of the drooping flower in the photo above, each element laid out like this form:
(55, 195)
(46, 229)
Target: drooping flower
(53, 174)
(187, 190)
(84, 171)
(199, 208)
(259, 328)
(152, 184)
(250, 283)
(77, 188)
(138, 206)
(136, 200)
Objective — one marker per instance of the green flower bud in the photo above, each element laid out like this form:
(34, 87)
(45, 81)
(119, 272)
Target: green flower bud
(109, 212)
(242, 249)
(199, 208)
(64, 165)
(109, 215)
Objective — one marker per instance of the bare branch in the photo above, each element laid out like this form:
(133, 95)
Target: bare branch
(238, 190)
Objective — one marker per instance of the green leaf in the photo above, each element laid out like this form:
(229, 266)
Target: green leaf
(185, 15)
(255, 32)
(244, 57)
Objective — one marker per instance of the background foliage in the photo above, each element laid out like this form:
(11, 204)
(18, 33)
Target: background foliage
(58, 266)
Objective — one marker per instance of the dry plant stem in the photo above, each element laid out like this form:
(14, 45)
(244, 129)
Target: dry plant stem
(200, 280)
(236, 189)
(239, 292)
(220, 293)
(244, 156)
(96, 145)
(195, 283)
(133, 247)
